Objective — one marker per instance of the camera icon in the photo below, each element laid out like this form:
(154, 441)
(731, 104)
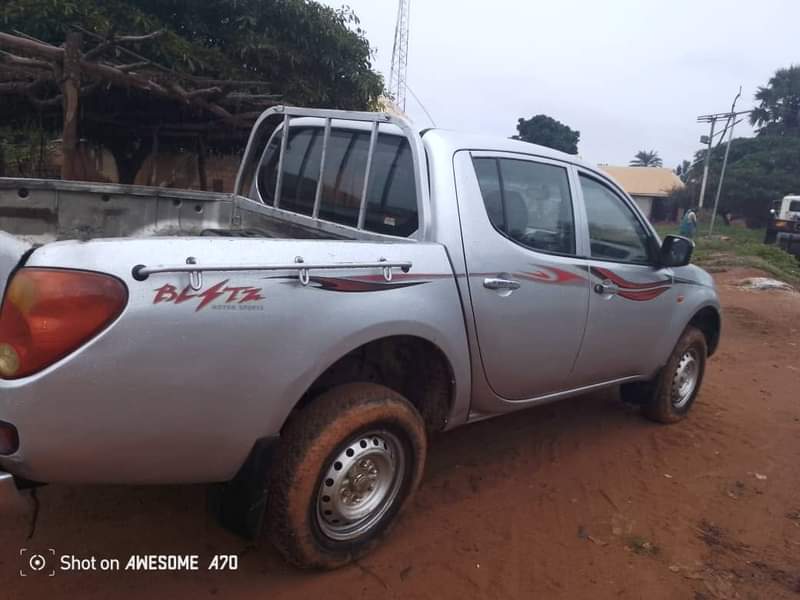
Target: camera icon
(37, 562)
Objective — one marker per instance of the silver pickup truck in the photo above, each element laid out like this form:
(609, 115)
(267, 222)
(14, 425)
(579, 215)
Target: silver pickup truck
(366, 285)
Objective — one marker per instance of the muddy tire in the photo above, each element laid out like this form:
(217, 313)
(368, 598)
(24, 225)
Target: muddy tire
(343, 470)
(673, 392)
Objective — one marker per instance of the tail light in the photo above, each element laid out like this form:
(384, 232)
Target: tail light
(48, 313)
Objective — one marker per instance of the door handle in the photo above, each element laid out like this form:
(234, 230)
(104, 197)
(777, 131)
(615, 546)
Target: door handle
(606, 287)
(500, 284)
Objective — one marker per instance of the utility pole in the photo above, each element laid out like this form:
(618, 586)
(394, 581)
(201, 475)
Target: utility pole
(732, 121)
(713, 120)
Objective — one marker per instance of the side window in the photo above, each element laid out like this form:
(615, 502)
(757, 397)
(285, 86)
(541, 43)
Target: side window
(614, 231)
(391, 196)
(528, 202)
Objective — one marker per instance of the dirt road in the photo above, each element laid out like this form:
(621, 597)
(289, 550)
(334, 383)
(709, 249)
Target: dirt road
(582, 499)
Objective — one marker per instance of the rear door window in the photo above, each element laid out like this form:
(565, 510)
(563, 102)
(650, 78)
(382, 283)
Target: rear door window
(528, 202)
(391, 196)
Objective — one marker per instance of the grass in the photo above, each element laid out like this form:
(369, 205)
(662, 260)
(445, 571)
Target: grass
(640, 545)
(737, 246)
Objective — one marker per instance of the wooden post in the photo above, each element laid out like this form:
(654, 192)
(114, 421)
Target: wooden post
(153, 180)
(201, 163)
(40, 169)
(71, 89)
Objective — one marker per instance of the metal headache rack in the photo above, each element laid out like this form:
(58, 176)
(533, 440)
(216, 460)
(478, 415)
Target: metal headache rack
(280, 117)
(263, 130)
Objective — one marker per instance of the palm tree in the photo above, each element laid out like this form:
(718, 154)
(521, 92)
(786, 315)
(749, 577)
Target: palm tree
(646, 158)
(779, 108)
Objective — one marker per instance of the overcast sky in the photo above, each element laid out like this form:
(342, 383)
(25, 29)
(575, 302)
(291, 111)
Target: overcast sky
(628, 74)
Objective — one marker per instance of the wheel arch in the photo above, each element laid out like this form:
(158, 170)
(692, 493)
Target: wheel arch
(412, 365)
(707, 319)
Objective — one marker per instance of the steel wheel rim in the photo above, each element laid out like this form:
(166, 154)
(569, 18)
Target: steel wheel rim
(684, 381)
(360, 485)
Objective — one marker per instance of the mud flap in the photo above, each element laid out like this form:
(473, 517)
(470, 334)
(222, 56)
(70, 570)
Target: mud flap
(239, 504)
(639, 393)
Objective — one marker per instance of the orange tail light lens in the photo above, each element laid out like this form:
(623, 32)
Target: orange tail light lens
(48, 313)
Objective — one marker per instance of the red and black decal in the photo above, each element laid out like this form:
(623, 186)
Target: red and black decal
(632, 290)
(550, 275)
(364, 283)
(361, 284)
(227, 294)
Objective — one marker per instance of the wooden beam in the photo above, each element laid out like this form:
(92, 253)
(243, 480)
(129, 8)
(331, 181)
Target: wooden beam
(206, 92)
(169, 88)
(177, 74)
(32, 64)
(36, 48)
(129, 39)
(71, 89)
(134, 66)
(114, 41)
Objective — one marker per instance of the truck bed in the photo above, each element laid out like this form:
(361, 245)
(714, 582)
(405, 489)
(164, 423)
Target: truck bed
(41, 211)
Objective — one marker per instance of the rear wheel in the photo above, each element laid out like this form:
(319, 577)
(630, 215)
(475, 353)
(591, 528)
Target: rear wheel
(345, 466)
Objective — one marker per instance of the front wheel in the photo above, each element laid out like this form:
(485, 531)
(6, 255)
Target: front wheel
(670, 396)
(345, 466)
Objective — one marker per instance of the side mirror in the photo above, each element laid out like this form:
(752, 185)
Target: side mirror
(676, 251)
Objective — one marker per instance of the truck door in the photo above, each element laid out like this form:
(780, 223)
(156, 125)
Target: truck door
(529, 289)
(632, 298)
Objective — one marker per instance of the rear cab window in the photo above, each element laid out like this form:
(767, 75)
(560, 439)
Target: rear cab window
(391, 207)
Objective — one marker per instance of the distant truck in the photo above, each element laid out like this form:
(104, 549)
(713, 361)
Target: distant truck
(784, 224)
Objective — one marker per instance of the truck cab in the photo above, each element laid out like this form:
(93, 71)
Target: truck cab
(783, 227)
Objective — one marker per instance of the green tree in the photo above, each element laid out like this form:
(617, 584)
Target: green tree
(304, 52)
(682, 170)
(778, 111)
(760, 170)
(646, 158)
(311, 53)
(546, 131)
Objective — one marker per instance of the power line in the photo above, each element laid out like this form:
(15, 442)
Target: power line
(427, 114)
